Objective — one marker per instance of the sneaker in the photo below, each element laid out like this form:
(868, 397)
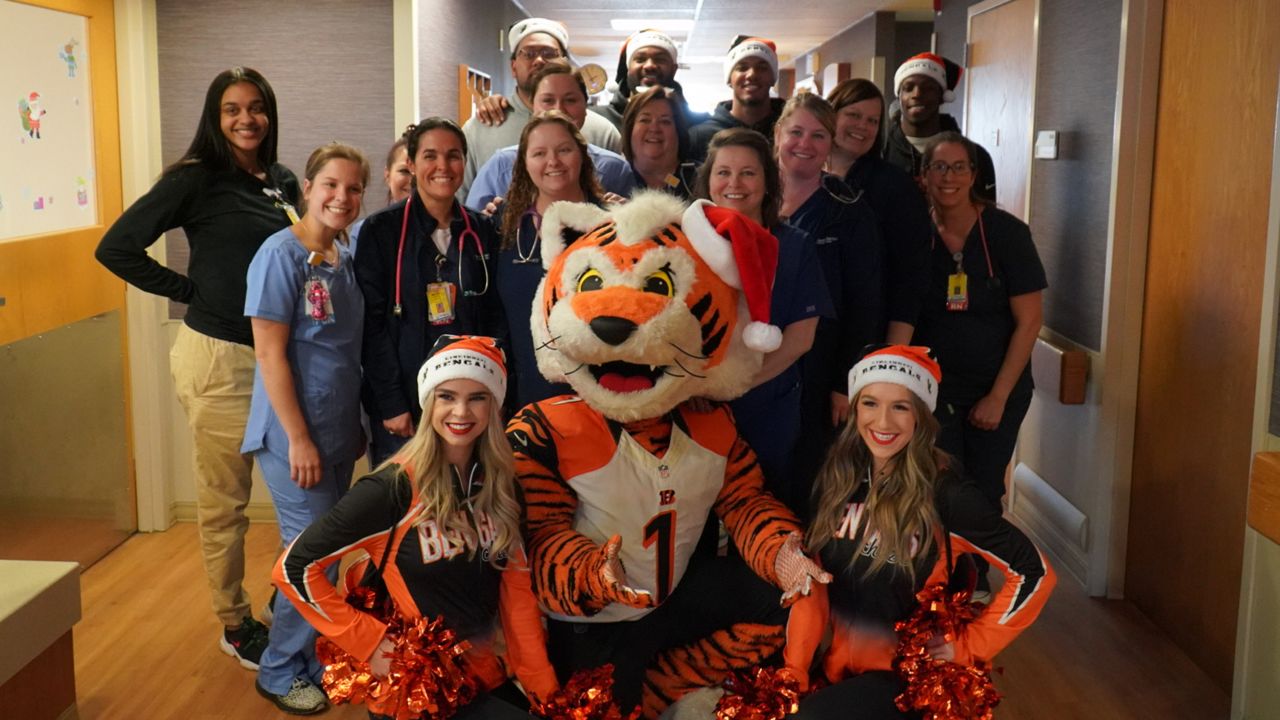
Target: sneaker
(269, 612)
(302, 699)
(245, 643)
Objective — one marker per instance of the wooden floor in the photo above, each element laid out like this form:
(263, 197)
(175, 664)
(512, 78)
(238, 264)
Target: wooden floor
(147, 648)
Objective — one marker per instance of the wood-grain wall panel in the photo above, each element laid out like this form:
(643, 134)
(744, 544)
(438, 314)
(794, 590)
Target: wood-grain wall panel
(1200, 322)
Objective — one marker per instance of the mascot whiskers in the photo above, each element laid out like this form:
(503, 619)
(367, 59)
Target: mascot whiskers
(655, 304)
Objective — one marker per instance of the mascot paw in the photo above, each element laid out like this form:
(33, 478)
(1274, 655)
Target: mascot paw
(613, 578)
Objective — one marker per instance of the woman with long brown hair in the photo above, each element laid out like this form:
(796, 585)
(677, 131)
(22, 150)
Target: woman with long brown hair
(551, 165)
(892, 516)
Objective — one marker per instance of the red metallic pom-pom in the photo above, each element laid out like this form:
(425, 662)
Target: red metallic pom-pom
(938, 689)
(587, 696)
(759, 694)
(427, 678)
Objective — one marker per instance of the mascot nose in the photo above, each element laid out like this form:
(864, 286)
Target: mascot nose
(613, 330)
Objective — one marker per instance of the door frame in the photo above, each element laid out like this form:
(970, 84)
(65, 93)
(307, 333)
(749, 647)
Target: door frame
(985, 7)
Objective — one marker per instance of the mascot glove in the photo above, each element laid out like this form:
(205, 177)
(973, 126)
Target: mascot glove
(613, 577)
(796, 572)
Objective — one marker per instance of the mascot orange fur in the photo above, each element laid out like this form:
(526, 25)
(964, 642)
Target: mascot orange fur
(654, 305)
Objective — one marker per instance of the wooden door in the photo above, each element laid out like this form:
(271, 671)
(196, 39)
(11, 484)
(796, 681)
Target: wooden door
(999, 89)
(66, 479)
(1200, 327)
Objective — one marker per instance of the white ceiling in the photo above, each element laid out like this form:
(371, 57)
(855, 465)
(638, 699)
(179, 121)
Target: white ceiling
(796, 26)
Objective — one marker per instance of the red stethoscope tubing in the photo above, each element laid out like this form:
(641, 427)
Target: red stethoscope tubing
(462, 239)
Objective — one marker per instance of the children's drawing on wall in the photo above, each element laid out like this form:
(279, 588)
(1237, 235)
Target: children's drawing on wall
(48, 149)
(32, 113)
(68, 55)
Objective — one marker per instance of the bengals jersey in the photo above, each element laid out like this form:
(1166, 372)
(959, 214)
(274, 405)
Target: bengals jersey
(862, 610)
(655, 483)
(430, 572)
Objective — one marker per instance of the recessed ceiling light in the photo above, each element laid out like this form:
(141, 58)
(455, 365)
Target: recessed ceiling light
(668, 25)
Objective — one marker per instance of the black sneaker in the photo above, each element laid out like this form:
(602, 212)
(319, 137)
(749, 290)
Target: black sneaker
(245, 643)
(302, 699)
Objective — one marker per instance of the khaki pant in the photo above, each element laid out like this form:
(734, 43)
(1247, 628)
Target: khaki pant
(214, 381)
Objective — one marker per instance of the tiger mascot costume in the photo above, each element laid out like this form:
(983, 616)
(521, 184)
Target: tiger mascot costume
(655, 304)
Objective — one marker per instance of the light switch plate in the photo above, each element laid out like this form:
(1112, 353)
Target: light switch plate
(1046, 145)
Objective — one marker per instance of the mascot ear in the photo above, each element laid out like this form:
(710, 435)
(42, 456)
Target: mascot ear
(561, 215)
(745, 256)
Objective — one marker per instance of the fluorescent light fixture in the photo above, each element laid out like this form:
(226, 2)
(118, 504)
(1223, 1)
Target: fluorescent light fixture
(668, 25)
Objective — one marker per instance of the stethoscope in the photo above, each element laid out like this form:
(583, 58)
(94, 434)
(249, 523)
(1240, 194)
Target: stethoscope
(398, 309)
(958, 255)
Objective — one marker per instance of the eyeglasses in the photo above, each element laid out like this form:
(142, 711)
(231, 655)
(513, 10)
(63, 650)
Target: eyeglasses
(533, 53)
(959, 169)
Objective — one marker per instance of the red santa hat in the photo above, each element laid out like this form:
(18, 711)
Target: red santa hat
(935, 67)
(745, 256)
(467, 357)
(911, 366)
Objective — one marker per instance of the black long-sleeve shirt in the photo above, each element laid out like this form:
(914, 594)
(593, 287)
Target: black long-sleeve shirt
(226, 215)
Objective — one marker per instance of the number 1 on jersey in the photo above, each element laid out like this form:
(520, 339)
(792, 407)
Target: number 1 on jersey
(661, 529)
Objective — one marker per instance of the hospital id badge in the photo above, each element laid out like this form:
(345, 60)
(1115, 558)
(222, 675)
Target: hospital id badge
(957, 292)
(440, 298)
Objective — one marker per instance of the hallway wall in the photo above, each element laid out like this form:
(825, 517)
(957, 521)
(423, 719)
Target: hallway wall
(461, 31)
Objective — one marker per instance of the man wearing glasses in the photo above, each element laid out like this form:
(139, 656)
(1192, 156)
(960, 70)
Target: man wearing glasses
(923, 83)
(533, 42)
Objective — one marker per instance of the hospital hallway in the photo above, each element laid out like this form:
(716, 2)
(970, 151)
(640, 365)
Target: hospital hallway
(144, 651)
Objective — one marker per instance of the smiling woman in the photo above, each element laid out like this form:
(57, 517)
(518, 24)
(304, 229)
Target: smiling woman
(228, 194)
(551, 165)
(424, 265)
(304, 419)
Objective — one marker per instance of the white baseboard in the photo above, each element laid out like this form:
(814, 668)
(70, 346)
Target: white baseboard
(185, 511)
(1054, 523)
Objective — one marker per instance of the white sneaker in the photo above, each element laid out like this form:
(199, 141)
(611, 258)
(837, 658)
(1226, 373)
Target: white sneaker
(303, 698)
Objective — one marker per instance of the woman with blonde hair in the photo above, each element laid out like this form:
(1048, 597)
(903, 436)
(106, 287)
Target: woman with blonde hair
(892, 517)
(443, 514)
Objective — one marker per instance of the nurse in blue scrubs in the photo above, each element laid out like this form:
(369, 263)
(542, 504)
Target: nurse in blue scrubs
(740, 173)
(551, 165)
(849, 250)
(307, 315)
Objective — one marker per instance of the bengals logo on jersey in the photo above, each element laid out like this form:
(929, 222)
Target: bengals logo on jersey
(632, 316)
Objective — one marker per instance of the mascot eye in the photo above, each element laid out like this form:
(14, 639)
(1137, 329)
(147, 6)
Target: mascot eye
(590, 280)
(660, 284)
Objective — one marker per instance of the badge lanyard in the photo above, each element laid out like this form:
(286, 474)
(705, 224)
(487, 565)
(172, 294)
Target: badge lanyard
(398, 309)
(958, 282)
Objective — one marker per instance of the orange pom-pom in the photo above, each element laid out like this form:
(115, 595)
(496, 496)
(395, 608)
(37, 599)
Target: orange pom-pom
(759, 694)
(938, 689)
(587, 696)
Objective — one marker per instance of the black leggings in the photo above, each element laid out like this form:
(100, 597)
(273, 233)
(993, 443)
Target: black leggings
(983, 454)
(868, 696)
(715, 593)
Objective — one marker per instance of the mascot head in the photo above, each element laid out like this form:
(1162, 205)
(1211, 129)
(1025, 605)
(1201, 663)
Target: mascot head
(655, 304)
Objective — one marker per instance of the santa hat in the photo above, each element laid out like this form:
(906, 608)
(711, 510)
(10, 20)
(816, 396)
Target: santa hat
(745, 256)
(642, 39)
(910, 366)
(33, 96)
(746, 46)
(532, 25)
(467, 357)
(935, 67)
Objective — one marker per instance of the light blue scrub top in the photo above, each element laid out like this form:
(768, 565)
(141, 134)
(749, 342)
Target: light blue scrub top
(324, 309)
(494, 177)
